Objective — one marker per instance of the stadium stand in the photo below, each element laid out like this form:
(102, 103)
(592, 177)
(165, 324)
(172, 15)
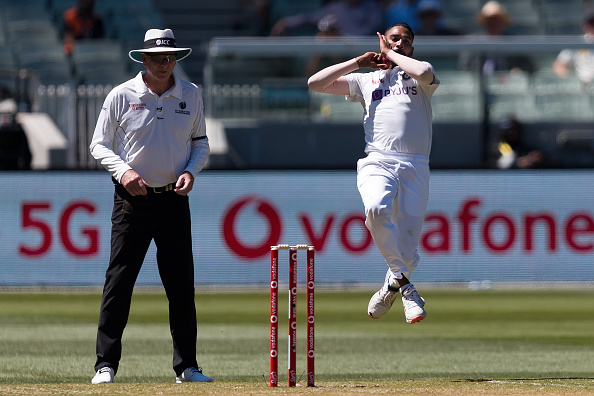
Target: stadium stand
(100, 62)
(455, 100)
(29, 40)
(31, 30)
(510, 95)
(196, 22)
(35, 42)
(561, 98)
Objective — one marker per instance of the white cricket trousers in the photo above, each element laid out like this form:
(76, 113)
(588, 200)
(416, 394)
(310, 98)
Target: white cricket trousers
(395, 190)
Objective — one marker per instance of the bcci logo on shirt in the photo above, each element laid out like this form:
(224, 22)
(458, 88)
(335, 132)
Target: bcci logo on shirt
(405, 76)
(182, 105)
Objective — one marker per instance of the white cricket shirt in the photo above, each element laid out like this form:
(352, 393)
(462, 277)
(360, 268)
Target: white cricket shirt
(159, 137)
(398, 115)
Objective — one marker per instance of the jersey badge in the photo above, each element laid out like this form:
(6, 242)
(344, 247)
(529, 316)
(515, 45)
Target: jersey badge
(182, 106)
(137, 106)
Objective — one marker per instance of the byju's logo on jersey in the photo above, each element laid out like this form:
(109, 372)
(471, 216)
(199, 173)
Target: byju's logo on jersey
(379, 93)
(182, 106)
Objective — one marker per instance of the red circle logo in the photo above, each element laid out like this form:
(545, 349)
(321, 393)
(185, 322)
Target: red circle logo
(267, 211)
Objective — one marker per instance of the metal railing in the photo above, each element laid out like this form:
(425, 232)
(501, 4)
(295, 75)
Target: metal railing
(231, 61)
(236, 87)
(75, 111)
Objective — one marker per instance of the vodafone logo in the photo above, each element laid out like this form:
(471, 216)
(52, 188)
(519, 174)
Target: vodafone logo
(263, 209)
(352, 232)
(467, 229)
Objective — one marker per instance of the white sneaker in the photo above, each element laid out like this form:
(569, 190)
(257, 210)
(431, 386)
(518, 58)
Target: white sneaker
(104, 376)
(382, 300)
(192, 374)
(413, 304)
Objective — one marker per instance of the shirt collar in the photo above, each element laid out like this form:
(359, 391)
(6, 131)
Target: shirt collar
(143, 90)
(176, 90)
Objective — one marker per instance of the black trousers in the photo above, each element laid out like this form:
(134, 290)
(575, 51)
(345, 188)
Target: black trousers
(136, 220)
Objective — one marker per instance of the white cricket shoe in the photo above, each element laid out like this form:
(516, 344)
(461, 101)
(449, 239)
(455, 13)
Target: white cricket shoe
(382, 300)
(103, 376)
(413, 304)
(193, 374)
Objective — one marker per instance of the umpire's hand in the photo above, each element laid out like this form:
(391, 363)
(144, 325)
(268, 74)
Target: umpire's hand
(133, 183)
(184, 183)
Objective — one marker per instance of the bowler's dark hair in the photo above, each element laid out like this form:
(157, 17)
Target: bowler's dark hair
(404, 25)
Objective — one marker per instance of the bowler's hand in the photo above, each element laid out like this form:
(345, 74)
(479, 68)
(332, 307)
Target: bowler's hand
(133, 183)
(372, 60)
(384, 45)
(385, 48)
(184, 183)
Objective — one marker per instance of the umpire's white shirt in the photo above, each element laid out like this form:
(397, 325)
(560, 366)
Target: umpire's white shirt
(398, 113)
(159, 137)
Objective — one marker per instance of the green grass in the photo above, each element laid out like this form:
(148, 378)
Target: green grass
(468, 337)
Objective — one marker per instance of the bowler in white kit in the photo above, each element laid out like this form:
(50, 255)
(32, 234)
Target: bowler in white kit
(393, 179)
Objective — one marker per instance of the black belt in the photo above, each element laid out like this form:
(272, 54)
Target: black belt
(156, 190)
(159, 190)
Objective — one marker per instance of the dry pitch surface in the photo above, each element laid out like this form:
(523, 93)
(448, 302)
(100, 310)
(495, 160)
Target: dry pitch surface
(523, 387)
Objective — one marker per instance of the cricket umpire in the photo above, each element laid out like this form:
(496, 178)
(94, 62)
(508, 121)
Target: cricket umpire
(151, 137)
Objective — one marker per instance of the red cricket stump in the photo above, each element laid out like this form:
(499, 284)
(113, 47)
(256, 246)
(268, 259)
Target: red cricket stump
(292, 316)
(310, 288)
(311, 284)
(273, 317)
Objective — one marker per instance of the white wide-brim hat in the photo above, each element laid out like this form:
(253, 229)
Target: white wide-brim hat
(156, 40)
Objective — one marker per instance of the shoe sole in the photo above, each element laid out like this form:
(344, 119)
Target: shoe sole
(180, 381)
(417, 319)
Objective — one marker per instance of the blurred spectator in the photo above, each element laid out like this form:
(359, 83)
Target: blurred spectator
(429, 13)
(14, 145)
(327, 27)
(81, 22)
(355, 18)
(494, 21)
(580, 60)
(511, 151)
(8, 104)
(402, 11)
